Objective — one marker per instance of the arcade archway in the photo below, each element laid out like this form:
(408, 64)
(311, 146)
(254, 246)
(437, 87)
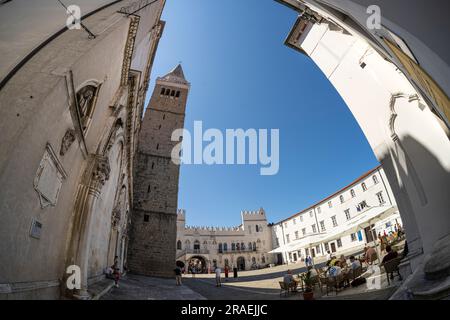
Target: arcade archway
(196, 264)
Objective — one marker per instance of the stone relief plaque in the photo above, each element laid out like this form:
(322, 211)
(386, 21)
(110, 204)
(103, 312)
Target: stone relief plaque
(49, 178)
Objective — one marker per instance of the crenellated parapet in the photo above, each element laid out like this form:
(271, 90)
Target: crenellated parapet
(255, 215)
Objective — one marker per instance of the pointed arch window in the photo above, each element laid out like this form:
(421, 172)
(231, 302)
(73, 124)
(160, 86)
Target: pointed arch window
(86, 100)
(179, 245)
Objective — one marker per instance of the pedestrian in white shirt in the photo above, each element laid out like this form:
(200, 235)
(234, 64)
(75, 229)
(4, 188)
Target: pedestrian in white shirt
(218, 274)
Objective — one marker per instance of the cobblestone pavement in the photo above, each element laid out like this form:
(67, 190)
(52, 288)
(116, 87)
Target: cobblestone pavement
(263, 285)
(250, 285)
(134, 287)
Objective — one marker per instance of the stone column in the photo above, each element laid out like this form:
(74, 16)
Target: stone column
(99, 176)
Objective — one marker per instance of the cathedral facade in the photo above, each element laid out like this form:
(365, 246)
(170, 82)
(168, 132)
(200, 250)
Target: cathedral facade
(71, 108)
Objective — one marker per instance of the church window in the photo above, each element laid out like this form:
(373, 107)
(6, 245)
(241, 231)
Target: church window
(86, 98)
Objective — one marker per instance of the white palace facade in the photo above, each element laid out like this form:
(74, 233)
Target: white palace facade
(341, 223)
(245, 246)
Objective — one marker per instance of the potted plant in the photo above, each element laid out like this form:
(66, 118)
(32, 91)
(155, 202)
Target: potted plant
(308, 281)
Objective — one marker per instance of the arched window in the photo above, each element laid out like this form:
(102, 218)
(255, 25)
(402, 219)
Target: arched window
(242, 246)
(238, 246)
(179, 245)
(233, 247)
(220, 248)
(162, 91)
(363, 186)
(375, 179)
(254, 246)
(86, 98)
(225, 247)
(263, 259)
(341, 197)
(352, 192)
(250, 246)
(257, 228)
(196, 245)
(167, 92)
(177, 95)
(172, 93)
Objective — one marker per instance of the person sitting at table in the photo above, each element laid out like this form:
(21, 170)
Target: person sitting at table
(313, 272)
(335, 270)
(391, 254)
(288, 278)
(354, 263)
(343, 261)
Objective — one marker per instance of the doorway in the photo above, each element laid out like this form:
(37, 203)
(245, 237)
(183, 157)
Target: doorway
(333, 246)
(240, 263)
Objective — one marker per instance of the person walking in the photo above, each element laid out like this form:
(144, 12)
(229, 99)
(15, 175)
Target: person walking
(116, 271)
(218, 274)
(226, 271)
(178, 275)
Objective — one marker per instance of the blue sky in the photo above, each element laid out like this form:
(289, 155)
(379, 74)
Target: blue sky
(242, 76)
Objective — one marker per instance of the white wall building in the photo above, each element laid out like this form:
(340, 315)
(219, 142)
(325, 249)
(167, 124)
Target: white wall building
(322, 227)
(395, 80)
(245, 246)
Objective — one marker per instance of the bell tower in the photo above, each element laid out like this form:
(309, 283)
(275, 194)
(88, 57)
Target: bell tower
(152, 246)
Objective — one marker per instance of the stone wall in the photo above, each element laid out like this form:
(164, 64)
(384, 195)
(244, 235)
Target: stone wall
(154, 228)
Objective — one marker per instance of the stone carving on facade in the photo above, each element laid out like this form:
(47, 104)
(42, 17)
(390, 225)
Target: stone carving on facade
(100, 172)
(112, 138)
(49, 178)
(85, 98)
(115, 217)
(67, 140)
